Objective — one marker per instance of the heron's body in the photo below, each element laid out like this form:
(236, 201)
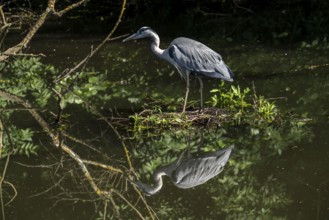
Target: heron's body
(190, 57)
(196, 58)
(207, 166)
(189, 172)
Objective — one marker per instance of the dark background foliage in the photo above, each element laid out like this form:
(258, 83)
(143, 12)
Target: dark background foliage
(266, 21)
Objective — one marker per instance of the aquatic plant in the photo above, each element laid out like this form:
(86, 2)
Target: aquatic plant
(26, 77)
(245, 107)
(234, 99)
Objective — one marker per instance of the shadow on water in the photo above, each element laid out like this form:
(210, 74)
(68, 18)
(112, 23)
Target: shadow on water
(279, 171)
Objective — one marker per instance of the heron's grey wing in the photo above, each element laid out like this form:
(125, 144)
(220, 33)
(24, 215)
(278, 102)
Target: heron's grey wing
(193, 172)
(199, 59)
(222, 154)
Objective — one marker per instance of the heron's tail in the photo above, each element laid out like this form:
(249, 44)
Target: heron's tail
(222, 71)
(230, 72)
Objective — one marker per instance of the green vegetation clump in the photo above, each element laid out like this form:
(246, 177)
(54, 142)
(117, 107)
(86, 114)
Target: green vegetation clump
(26, 78)
(233, 105)
(244, 106)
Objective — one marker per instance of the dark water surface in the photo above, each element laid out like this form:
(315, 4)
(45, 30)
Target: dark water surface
(275, 173)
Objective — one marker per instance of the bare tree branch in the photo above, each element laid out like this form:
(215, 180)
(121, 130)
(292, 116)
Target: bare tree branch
(69, 8)
(55, 135)
(55, 139)
(40, 21)
(17, 48)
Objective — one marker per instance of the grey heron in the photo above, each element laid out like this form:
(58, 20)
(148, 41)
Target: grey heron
(189, 172)
(190, 57)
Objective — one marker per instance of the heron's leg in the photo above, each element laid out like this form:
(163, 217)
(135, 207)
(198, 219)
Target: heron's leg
(187, 91)
(201, 93)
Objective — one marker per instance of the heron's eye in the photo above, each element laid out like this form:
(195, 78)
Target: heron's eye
(143, 29)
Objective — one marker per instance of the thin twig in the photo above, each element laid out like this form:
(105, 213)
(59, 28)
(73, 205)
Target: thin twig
(93, 52)
(125, 148)
(76, 140)
(243, 8)
(129, 204)
(2, 177)
(115, 207)
(49, 189)
(105, 210)
(118, 37)
(15, 192)
(1, 133)
(38, 24)
(107, 167)
(24, 54)
(69, 8)
(17, 48)
(36, 166)
(55, 139)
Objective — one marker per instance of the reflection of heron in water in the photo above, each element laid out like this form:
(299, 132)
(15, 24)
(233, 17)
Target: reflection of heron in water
(189, 172)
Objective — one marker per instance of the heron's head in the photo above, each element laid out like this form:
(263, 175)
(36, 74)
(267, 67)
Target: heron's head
(143, 32)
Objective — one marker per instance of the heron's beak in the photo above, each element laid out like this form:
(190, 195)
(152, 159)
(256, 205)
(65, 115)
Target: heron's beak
(132, 37)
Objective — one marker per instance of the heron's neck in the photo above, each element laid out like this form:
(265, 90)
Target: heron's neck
(158, 181)
(155, 45)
